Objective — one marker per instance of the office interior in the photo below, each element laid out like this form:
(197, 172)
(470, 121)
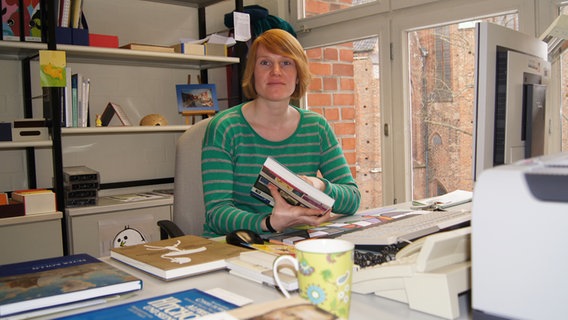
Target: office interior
(395, 154)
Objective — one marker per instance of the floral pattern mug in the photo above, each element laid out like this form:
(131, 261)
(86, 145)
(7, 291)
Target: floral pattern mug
(324, 270)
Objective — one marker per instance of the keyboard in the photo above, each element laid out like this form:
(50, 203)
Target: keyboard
(408, 228)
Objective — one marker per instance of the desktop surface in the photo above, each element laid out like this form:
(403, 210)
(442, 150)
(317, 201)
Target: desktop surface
(367, 306)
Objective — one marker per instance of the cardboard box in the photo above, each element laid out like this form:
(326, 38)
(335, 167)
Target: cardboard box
(12, 209)
(103, 40)
(215, 49)
(36, 200)
(30, 130)
(72, 36)
(5, 131)
(190, 48)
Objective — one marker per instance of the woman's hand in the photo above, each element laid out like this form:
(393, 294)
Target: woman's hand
(285, 215)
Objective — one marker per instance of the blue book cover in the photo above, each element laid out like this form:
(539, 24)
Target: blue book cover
(189, 304)
(45, 283)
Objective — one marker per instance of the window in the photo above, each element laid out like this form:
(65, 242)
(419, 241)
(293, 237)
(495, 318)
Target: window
(310, 8)
(345, 89)
(442, 69)
(564, 93)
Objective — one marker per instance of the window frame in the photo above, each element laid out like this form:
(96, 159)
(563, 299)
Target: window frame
(390, 21)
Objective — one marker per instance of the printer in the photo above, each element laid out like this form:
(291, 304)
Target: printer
(519, 240)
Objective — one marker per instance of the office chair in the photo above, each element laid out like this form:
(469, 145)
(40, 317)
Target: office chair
(189, 209)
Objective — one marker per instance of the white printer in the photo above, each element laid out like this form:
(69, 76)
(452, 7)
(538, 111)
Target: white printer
(520, 240)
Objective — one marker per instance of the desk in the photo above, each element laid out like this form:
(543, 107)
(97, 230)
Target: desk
(362, 306)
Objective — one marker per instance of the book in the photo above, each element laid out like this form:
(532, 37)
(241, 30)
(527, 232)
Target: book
(51, 282)
(36, 200)
(148, 47)
(32, 16)
(177, 257)
(12, 16)
(109, 112)
(292, 188)
(257, 266)
(293, 308)
(64, 13)
(188, 304)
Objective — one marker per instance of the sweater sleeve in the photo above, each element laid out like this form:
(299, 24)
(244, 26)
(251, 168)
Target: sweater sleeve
(340, 184)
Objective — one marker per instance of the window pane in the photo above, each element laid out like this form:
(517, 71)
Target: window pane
(564, 93)
(442, 75)
(345, 89)
(317, 7)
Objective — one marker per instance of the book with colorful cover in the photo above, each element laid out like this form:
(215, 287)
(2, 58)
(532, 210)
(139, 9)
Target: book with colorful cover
(177, 257)
(293, 308)
(189, 304)
(12, 27)
(45, 283)
(292, 188)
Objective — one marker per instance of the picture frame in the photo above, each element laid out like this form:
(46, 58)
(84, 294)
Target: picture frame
(197, 98)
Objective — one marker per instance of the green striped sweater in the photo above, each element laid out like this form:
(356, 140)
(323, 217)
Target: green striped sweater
(233, 154)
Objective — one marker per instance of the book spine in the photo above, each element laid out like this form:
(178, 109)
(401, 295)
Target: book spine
(64, 13)
(74, 100)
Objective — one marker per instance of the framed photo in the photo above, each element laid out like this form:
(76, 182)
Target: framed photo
(196, 98)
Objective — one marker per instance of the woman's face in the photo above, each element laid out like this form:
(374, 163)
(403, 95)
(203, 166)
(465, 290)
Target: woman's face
(275, 76)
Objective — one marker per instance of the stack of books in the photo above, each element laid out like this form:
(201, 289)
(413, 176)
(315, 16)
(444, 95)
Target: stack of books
(81, 186)
(63, 283)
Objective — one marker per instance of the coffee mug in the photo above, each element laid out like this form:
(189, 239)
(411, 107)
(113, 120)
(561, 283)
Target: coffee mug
(324, 269)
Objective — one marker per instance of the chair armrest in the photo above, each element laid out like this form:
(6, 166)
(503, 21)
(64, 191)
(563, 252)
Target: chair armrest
(168, 229)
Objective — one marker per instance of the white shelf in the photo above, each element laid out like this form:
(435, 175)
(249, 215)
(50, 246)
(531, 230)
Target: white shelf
(124, 129)
(107, 56)
(25, 144)
(16, 50)
(31, 218)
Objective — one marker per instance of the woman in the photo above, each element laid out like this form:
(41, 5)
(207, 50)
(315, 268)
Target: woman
(239, 139)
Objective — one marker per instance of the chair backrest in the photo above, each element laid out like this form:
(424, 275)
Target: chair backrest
(189, 209)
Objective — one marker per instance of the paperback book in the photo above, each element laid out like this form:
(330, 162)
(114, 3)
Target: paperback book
(46, 283)
(177, 257)
(292, 188)
(189, 304)
(257, 266)
(293, 308)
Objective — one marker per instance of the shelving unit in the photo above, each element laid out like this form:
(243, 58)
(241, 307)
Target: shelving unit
(27, 51)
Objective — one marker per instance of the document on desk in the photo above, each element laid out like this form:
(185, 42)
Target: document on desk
(336, 228)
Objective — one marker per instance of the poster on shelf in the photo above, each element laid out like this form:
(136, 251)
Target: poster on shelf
(52, 65)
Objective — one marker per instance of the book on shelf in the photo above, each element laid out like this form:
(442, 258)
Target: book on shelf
(47, 283)
(32, 17)
(64, 13)
(134, 197)
(36, 200)
(80, 89)
(148, 47)
(177, 257)
(295, 307)
(12, 20)
(188, 304)
(114, 109)
(257, 266)
(292, 188)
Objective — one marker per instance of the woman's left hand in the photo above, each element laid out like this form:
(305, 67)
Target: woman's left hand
(285, 215)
